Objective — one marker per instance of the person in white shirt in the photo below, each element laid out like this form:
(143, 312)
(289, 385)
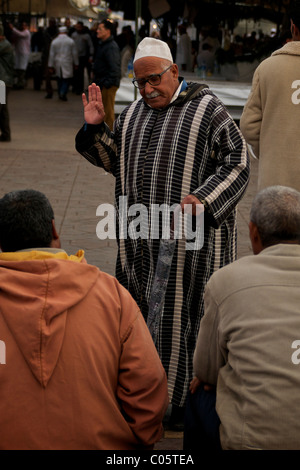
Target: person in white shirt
(63, 58)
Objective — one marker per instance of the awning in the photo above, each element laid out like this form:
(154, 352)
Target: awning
(24, 6)
(59, 8)
(55, 8)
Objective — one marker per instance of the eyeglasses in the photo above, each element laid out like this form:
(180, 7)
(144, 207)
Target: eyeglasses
(153, 80)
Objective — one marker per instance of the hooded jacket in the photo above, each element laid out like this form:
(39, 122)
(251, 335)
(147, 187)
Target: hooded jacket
(159, 156)
(78, 368)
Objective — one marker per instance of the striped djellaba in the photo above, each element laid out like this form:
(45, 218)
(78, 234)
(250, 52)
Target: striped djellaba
(192, 146)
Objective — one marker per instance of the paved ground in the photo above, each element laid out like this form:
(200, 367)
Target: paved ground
(42, 156)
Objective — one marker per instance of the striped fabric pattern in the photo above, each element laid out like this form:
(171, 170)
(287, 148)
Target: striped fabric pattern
(158, 157)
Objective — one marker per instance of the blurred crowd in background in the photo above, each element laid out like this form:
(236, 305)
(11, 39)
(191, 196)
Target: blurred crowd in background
(213, 47)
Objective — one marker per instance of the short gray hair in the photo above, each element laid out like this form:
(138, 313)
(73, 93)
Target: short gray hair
(276, 213)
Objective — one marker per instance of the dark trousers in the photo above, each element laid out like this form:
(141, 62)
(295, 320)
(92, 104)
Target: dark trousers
(63, 86)
(78, 79)
(49, 87)
(4, 119)
(201, 423)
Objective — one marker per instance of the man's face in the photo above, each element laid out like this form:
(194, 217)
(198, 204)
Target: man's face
(102, 32)
(79, 28)
(157, 96)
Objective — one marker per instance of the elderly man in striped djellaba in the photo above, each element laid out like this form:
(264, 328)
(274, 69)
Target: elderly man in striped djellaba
(177, 144)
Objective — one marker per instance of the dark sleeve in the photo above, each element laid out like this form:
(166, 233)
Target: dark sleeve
(96, 143)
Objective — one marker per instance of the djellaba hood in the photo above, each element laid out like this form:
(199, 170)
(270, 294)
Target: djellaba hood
(36, 292)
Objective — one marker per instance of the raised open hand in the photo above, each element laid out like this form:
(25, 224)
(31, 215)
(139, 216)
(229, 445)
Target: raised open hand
(93, 106)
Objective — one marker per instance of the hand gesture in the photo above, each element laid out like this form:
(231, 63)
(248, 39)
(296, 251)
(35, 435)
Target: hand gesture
(93, 107)
(193, 205)
(195, 383)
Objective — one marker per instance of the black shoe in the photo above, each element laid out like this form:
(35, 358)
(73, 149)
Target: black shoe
(3, 138)
(63, 97)
(176, 421)
(48, 96)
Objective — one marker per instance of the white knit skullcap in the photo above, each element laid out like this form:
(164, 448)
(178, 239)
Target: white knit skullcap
(62, 29)
(151, 47)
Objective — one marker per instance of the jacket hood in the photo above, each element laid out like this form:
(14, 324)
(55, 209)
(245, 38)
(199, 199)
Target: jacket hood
(37, 289)
(192, 91)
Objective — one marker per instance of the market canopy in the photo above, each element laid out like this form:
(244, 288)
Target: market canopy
(197, 12)
(202, 11)
(49, 8)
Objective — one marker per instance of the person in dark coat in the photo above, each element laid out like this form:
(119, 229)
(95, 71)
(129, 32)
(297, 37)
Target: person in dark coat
(107, 68)
(7, 67)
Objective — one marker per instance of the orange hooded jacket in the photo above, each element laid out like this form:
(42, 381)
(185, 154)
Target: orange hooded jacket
(78, 368)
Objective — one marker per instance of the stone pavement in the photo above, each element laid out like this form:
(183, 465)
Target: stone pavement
(42, 156)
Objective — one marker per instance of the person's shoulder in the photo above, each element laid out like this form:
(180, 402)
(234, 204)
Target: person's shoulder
(112, 42)
(7, 45)
(69, 39)
(115, 293)
(231, 278)
(290, 48)
(196, 90)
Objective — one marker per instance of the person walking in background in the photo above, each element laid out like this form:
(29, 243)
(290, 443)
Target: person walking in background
(21, 39)
(206, 60)
(85, 50)
(51, 33)
(79, 371)
(63, 58)
(7, 68)
(176, 145)
(248, 343)
(126, 43)
(184, 58)
(107, 68)
(269, 121)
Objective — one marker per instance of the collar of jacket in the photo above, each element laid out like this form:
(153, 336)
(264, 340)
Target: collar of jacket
(290, 48)
(41, 254)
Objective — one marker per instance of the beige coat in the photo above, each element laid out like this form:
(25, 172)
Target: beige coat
(249, 345)
(271, 117)
(78, 367)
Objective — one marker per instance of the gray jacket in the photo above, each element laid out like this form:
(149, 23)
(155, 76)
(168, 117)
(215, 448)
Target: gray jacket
(249, 346)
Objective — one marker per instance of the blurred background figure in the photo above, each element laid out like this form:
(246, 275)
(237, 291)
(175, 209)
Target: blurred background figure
(63, 58)
(21, 39)
(85, 51)
(184, 50)
(107, 68)
(126, 43)
(51, 33)
(206, 59)
(7, 67)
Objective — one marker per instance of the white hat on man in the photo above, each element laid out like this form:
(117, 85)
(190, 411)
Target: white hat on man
(151, 47)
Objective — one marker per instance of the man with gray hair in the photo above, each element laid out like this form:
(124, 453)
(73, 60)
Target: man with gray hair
(249, 343)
